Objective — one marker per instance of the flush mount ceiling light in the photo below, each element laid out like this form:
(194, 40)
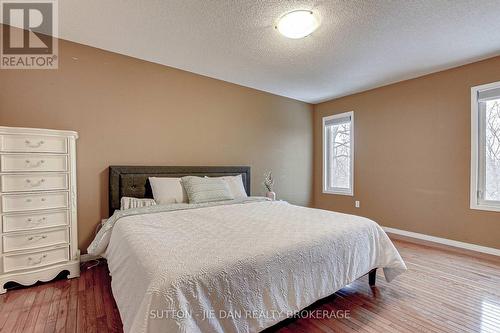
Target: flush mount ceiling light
(297, 24)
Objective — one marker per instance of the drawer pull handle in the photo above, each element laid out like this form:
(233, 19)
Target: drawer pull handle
(30, 220)
(37, 237)
(41, 199)
(33, 262)
(34, 145)
(34, 165)
(36, 184)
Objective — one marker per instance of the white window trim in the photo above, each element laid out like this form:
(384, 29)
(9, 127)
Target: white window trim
(339, 191)
(475, 202)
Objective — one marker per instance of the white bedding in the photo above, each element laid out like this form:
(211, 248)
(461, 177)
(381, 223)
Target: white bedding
(238, 267)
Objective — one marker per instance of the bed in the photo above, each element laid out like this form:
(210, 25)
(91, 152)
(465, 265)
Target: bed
(234, 266)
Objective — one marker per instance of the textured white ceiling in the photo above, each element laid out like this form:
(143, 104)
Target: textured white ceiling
(359, 45)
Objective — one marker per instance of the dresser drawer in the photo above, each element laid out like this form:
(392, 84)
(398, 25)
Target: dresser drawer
(33, 143)
(27, 202)
(26, 162)
(34, 221)
(34, 182)
(33, 240)
(35, 259)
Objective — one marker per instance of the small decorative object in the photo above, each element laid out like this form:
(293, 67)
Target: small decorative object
(268, 184)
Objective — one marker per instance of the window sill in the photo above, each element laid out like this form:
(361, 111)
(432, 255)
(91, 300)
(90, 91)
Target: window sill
(351, 194)
(486, 207)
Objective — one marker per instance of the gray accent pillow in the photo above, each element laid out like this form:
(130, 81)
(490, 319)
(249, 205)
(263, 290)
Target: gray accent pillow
(200, 189)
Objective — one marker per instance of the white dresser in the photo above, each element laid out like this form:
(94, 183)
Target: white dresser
(37, 205)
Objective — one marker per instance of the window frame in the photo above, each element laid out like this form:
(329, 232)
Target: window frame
(477, 166)
(325, 188)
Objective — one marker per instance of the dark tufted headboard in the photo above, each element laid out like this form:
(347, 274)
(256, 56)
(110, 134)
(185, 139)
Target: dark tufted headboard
(132, 181)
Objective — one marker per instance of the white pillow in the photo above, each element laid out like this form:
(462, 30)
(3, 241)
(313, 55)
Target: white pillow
(167, 190)
(129, 202)
(235, 184)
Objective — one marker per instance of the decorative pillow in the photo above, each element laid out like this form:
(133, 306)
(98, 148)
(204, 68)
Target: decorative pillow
(167, 190)
(128, 203)
(236, 187)
(200, 189)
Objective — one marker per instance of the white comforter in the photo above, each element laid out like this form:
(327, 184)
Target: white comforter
(238, 267)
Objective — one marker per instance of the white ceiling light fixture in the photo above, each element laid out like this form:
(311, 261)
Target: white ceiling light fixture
(297, 24)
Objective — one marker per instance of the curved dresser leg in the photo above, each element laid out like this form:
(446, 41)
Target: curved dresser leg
(74, 270)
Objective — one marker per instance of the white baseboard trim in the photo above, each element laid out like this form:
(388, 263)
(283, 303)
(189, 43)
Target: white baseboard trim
(444, 241)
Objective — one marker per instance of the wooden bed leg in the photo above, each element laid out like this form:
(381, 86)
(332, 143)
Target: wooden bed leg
(372, 277)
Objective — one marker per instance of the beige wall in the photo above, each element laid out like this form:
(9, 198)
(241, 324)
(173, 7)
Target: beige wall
(131, 112)
(412, 138)
(412, 155)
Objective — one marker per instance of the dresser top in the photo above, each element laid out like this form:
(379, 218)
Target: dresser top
(37, 131)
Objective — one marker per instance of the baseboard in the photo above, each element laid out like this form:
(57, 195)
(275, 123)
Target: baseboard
(444, 243)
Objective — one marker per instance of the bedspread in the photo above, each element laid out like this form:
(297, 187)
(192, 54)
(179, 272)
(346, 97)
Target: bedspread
(239, 266)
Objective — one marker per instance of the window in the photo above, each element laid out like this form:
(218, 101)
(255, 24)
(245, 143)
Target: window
(485, 152)
(338, 153)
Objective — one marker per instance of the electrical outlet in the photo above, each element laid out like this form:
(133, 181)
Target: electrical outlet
(356, 204)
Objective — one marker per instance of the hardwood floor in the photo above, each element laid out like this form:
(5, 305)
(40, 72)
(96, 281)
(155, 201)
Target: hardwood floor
(441, 292)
